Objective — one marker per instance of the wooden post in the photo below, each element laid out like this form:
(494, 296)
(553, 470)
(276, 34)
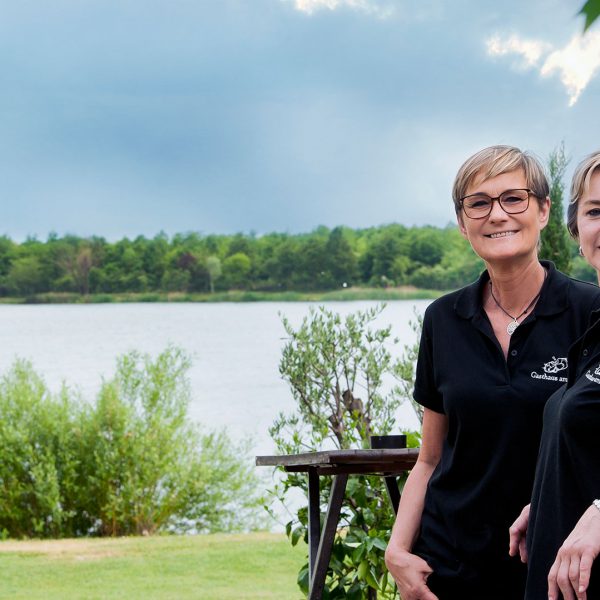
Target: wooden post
(317, 582)
(314, 520)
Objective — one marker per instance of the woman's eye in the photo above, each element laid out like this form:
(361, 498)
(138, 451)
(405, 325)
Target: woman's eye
(512, 200)
(479, 203)
(593, 212)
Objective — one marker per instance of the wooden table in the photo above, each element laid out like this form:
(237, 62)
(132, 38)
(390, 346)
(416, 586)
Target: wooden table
(339, 464)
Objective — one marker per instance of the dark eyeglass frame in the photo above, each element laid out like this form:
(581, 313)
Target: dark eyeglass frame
(500, 202)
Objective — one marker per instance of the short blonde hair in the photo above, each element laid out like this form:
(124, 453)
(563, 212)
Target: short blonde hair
(579, 186)
(496, 160)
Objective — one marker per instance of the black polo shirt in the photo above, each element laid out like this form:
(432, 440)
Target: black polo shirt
(567, 478)
(494, 408)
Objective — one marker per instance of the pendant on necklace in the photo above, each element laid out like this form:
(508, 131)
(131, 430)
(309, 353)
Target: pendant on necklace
(510, 328)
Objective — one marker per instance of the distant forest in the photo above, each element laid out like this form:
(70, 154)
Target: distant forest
(325, 259)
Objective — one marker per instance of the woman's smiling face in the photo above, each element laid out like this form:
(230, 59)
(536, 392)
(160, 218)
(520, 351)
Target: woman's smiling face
(500, 236)
(588, 222)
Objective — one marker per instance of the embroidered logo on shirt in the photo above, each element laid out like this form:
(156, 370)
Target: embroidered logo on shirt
(550, 368)
(556, 365)
(596, 372)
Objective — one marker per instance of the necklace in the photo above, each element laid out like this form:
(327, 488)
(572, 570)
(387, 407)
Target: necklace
(512, 326)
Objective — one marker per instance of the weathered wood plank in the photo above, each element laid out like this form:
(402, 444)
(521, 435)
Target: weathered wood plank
(404, 456)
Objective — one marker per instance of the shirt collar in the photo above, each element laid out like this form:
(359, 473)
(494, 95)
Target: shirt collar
(554, 297)
(594, 319)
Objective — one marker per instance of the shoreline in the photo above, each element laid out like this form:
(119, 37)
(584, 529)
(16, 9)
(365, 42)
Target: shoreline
(347, 295)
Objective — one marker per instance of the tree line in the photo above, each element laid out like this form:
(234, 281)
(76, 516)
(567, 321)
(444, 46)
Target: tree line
(324, 259)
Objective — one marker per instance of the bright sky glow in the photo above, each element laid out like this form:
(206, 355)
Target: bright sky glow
(576, 63)
(530, 51)
(367, 6)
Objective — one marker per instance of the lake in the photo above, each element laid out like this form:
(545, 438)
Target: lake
(235, 350)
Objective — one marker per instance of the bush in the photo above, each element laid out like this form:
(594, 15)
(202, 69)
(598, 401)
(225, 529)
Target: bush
(130, 463)
(328, 361)
(40, 457)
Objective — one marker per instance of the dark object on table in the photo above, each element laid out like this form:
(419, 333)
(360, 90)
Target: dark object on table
(388, 441)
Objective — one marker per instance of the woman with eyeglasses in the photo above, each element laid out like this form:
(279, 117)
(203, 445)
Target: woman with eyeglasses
(563, 525)
(490, 356)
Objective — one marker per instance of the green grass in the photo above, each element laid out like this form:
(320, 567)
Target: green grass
(398, 293)
(207, 567)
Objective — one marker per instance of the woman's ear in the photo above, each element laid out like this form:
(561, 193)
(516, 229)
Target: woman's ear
(461, 225)
(545, 211)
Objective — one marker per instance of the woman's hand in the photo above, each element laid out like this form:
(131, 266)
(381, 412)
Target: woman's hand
(518, 532)
(410, 573)
(571, 570)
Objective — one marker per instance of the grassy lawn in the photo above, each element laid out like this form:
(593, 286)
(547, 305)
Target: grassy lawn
(208, 567)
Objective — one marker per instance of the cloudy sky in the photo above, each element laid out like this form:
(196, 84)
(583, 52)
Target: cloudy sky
(127, 117)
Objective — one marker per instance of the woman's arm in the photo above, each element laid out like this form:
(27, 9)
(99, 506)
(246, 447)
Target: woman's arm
(572, 568)
(408, 570)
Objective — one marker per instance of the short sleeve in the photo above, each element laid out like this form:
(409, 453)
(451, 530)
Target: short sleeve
(426, 392)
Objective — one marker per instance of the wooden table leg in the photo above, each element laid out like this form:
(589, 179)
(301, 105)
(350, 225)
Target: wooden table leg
(314, 520)
(317, 581)
(393, 491)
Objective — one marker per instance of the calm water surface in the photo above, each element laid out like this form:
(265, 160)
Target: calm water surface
(235, 349)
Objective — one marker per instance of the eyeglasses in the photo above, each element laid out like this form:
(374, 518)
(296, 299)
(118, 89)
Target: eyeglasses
(512, 202)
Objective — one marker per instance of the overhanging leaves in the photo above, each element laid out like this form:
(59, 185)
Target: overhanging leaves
(591, 11)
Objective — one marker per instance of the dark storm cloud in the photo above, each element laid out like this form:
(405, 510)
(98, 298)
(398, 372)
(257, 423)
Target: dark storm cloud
(120, 118)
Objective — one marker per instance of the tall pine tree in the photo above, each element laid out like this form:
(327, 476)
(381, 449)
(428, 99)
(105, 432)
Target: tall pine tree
(555, 241)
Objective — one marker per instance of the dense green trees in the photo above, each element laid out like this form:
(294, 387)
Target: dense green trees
(324, 259)
(390, 255)
(555, 239)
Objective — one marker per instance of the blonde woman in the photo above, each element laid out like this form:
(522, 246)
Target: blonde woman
(563, 526)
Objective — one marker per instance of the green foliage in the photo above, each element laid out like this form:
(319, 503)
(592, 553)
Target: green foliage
(379, 262)
(555, 239)
(341, 262)
(591, 11)
(582, 270)
(25, 276)
(330, 361)
(322, 260)
(213, 266)
(130, 463)
(459, 265)
(406, 371)
(426, 246)
(39, 457)
(236, 271)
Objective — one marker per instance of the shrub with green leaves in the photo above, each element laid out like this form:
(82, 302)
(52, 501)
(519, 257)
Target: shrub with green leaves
(130, 463)
(40, 445)
(340, 371)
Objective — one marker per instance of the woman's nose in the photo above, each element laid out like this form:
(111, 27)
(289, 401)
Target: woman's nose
(497, 213)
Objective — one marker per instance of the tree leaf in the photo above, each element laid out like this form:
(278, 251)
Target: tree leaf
(371, 578)
(303, 579)
(363, 569)
(379, 543)
(296, 535)
(591, 11)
